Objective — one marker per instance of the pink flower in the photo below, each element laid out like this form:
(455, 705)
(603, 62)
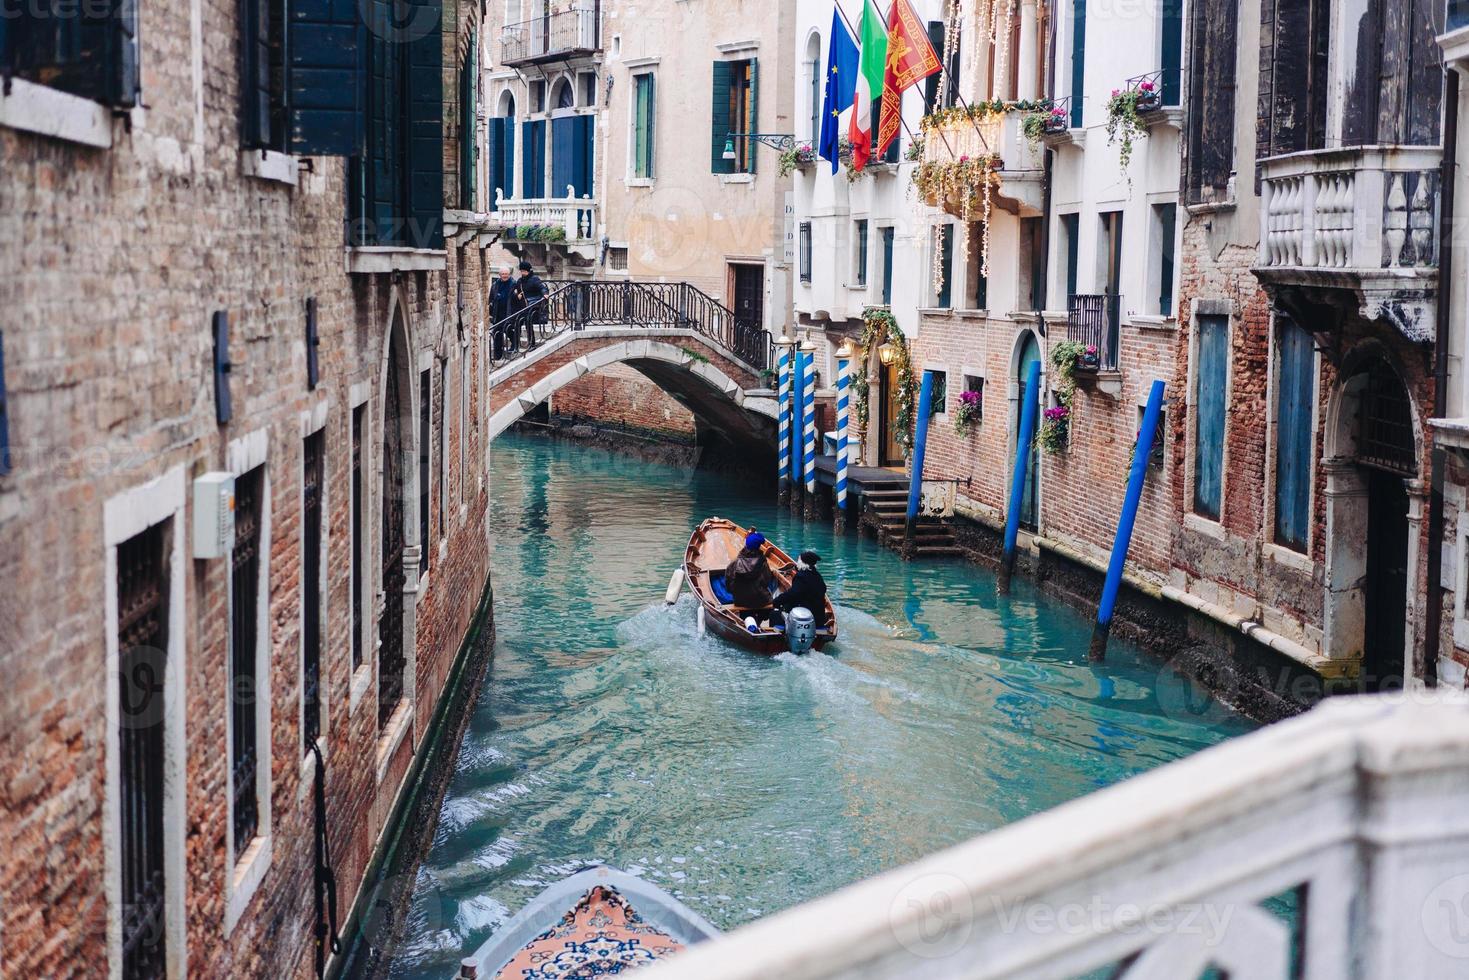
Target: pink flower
(969, 398)
(1057, 414)
(1115, 93)
(1091, 349)
(1059, 112)
(1145, 87)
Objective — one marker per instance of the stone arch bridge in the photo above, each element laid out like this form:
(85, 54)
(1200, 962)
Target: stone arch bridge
(679, 338)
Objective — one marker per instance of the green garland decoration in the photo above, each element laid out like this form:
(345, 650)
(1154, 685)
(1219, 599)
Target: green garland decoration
(878, 327)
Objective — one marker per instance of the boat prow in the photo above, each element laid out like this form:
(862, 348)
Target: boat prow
(599, 921)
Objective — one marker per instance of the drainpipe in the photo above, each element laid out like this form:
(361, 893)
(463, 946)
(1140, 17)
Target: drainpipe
(1434, 615)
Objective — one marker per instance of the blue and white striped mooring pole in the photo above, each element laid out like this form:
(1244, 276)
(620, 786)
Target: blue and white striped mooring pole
(844, 384)
(920, 449)
(794, 425)
(1125, 522)
(783, 371)
(808, 415)
(1029, 406)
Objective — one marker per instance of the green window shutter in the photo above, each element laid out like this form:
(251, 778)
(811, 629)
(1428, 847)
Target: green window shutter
(754, 117)
(495, 153)
(467, 124)
(644, 122)
(1078, 61)
(507, 158)
(326, 78)
(719, 117)
(426, 128)
(936, 31)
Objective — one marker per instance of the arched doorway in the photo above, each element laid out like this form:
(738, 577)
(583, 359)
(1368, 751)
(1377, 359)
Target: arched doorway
(890, 451)
(1028, 352)
(1370, 525)
(397, 472)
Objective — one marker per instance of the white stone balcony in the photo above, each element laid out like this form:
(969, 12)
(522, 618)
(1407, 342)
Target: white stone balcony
(568, 221)
(1018, 163)
(1331, 847)
(1360, 218)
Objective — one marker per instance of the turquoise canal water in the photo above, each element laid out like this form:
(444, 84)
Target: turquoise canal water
(608, 730)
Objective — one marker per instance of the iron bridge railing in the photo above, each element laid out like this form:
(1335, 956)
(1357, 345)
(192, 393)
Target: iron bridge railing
(647, 305)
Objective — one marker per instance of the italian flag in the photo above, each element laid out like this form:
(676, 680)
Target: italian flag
(870, 75)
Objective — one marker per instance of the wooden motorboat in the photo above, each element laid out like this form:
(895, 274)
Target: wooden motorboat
(598, 922)
(715, 544)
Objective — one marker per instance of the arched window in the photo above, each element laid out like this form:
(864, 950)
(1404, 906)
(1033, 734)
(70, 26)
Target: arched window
(817, 84)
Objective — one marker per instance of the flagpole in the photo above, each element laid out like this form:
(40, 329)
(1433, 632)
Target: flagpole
(901, 120)
(944, 72)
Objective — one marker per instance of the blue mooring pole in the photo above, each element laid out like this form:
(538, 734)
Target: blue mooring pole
(920, 448)
(784, 413)
(1135, 481)
(1029, 407)
(798, 399)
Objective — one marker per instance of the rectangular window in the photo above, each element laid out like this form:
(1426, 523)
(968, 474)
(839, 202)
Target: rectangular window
(859, 274)
(940, 404)
(975, 385)
(1294, 422)
(359, 422)
(1032, 262)
(263, 89)
(978, 297)
(1155, 455)
(1209, 142)
(736, 114)
(589, 89)
(945, 259)
(644, 113)
(1211, 378)
(933, 87)
(817, 96)
(425, 453)
(1165, 227)
(142, 634)
(806, 251)
(87, 50)
(468, 120)
(1078, 61)
(443, 444)
(244, 638)
(888, 236)
(311, 491)
(1071, 233)
(617, 258)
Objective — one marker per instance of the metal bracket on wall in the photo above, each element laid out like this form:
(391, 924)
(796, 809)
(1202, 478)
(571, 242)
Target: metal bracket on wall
(223, 410)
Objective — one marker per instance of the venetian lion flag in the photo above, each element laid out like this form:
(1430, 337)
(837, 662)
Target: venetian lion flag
(910, 59)
(874, 41)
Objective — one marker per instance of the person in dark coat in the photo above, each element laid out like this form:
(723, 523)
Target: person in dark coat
(531, 295)
(748, 578)
(808, 588)
(502, 291)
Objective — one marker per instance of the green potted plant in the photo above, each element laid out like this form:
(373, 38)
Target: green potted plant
(799, 157)
(1124, 123)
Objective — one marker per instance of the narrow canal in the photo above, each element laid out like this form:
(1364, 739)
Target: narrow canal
(608, 731)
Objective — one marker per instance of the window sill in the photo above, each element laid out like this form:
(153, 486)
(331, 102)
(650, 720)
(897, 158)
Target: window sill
(1211, 207)
(392, 737)
(366, 260)
(1204, 526)
(272, 165)
(640, 181)
(48, 112)
(1286, 558)
(1165, 323)
(737, 178)
(248, 874)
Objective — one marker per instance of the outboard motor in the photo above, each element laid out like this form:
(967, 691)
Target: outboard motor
(800, 630)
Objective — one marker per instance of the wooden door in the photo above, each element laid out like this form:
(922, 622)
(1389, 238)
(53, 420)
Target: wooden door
(890, 448)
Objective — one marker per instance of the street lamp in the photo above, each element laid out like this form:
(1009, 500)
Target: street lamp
(845, 352)
(780, 142)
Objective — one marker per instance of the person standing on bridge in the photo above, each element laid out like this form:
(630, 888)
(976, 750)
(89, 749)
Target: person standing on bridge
(530, 293)
(502, 292)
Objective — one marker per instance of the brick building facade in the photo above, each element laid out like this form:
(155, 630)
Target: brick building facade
(161, 712)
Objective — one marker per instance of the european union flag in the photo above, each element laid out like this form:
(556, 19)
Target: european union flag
(841, 84)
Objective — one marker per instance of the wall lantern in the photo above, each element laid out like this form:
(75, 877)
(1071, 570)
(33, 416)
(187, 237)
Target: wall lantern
(887, 353)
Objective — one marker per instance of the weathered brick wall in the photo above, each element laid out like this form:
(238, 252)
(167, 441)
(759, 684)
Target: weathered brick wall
(116, 260)
(1081, 490)
(618, 395)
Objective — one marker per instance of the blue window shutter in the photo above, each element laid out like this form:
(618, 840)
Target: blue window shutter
(426, 127)
(494, 146)
(1211, 374)
(507, 159)
(4, 415)
(1295, 395)
(563, 155)
(223, 409)
(325, 84)
(945, 259)
(1078, 60)
(936, 32)
(586, 151)
(719, 131)
(533, 158)
(1172, 52)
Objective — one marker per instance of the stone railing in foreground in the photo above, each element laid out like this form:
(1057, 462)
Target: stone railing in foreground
(1356, 813)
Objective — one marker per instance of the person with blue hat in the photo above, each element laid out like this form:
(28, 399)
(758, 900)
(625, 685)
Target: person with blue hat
(748, 578)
